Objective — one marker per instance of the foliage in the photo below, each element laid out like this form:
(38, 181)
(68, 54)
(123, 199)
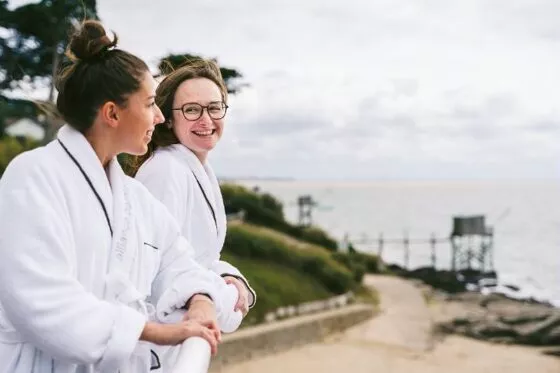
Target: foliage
(36, 39)
(10, 147)
(276, 286)
(359, 263)
(173, 61)
(244, 242)
(263, 209)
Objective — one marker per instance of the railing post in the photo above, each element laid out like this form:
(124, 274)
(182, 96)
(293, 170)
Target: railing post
(433, 245)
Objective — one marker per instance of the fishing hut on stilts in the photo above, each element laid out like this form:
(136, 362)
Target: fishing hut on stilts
(472, 244)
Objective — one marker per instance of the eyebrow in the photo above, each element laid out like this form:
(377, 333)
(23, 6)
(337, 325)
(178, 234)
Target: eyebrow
(151, 97)
(209, 102)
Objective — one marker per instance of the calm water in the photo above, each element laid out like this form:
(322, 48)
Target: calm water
(525, 216)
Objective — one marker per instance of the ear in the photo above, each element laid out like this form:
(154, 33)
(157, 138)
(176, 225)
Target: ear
(110, 113)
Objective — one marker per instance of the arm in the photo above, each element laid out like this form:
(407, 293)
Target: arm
(225, 269)
(40, 294)
(179, 276)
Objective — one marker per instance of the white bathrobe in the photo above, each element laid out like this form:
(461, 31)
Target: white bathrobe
(84, 255)
(191, 192)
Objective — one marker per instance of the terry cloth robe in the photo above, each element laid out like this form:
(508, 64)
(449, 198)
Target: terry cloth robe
(191, 192)
(84, 254)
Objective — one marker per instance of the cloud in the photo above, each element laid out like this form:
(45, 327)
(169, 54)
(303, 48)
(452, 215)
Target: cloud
(396, 88)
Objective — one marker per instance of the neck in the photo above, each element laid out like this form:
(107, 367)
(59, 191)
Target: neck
(201, 156)
(102, 146)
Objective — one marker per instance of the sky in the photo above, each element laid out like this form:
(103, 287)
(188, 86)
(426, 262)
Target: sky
(370, 89)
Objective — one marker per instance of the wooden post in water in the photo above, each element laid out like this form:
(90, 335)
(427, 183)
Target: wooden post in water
(433, 246)
(406, 242)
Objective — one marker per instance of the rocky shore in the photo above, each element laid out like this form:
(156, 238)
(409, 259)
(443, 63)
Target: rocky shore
(484, 315)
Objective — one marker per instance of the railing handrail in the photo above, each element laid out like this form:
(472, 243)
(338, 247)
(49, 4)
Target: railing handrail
(194, 356)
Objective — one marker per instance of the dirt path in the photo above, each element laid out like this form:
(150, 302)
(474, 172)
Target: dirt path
(399, 341)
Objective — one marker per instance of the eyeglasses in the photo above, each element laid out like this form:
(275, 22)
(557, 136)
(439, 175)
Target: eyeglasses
(193, 111)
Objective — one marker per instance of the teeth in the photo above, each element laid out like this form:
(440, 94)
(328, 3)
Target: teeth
(203, 133)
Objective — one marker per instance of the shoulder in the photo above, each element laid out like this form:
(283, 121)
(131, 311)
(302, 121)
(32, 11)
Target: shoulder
(36, 165)
(164, 167)
(162, 162)
(146, 200)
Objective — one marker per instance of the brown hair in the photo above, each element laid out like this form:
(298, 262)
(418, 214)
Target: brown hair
(96, 74)
(165, 94)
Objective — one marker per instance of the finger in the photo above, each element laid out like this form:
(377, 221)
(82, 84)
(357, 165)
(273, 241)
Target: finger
(239, 304)
(209, 336)
(218, 334)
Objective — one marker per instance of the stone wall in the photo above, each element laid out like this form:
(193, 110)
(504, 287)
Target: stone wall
(279, 336)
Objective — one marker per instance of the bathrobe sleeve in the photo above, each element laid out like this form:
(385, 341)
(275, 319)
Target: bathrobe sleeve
(40, 294)
(223, 269)
(179, 276)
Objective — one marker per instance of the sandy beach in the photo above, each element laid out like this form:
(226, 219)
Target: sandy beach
(401, 339)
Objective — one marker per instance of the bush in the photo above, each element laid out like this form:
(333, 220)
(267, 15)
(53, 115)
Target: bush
(10, 147)
(318, 236)
(276, 286)
(358, 263)
(265, 210)
(243, 243)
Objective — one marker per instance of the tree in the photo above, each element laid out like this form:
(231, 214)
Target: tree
(32, 51)
(174, 61)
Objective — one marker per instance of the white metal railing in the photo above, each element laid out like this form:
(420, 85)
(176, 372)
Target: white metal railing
(194, 356)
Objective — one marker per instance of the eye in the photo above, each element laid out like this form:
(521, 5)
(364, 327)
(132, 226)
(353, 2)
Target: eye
(191, 109)
(215, 108)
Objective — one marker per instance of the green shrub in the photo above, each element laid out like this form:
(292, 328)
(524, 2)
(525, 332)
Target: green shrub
(242, 242)
(263, 209)
(318, 236)
(276, 286)
(10, 147)
(358, 263)
(371, 262)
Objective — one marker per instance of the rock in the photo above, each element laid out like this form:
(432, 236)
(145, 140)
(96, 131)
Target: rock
(499, 319)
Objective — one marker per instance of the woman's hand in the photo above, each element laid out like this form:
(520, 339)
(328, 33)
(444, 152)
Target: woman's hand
(174, 334)
(243, 299)
(202, 310)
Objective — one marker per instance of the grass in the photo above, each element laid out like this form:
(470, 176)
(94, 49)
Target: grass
(276, 286)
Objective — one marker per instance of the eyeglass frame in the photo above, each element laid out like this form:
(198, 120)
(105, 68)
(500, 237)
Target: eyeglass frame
(225, 106)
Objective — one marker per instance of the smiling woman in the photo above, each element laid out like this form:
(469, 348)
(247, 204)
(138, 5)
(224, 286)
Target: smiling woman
(193, 98)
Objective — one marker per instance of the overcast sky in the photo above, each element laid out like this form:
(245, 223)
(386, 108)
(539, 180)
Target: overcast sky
(371, 89)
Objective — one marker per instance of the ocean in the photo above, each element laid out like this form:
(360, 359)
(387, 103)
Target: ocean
(525, 217)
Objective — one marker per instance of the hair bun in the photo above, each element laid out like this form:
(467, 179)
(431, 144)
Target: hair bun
(90, 42)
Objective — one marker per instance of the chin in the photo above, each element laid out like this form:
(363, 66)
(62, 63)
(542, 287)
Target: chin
(140, 150)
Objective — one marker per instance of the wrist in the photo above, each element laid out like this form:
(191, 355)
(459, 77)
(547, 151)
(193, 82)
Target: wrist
(199, 297)
(149, 333)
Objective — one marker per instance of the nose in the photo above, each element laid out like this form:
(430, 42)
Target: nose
(158, 118)
(205, 116)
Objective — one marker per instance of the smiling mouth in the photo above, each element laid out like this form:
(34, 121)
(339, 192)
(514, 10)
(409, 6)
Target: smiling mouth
(204, 133)
(149, 133)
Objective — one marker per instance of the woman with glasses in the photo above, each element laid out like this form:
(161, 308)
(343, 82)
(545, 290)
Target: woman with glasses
(176, 170)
